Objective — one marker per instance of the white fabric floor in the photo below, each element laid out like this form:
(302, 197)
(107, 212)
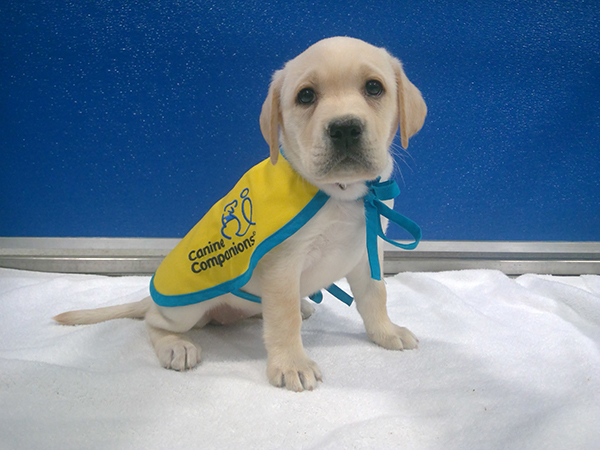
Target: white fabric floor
(502, 364)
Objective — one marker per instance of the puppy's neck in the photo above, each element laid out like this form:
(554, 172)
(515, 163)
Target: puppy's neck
(344, 191)
(348, 191)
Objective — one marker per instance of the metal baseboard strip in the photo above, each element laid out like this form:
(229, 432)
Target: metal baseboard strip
(510, 257)
(101, 256)
(140, 256)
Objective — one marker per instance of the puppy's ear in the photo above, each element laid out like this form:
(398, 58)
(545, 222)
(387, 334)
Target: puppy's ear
(270, 116)
(411, 106)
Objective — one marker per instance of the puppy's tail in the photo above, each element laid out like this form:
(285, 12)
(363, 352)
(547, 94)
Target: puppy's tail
(135, 310)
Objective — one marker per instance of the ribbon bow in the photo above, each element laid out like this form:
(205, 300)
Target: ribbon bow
(374, 208)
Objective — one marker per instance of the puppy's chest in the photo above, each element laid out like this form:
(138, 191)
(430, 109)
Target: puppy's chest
(336, 233)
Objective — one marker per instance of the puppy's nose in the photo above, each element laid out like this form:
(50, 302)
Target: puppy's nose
(345, 132)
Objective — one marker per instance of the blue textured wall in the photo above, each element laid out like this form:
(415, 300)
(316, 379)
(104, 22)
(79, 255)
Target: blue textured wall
(130, 118)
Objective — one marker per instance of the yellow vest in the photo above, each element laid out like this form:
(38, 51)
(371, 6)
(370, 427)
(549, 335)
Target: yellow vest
(267, 205)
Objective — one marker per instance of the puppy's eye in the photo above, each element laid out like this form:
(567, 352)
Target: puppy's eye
(306, 96)
(374, 88)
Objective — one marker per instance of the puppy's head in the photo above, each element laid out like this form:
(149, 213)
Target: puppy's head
(335, 110)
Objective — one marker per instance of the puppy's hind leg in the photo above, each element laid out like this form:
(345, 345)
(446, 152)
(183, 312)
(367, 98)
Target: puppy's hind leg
(173, 350)
(172, 347)
(306, 309)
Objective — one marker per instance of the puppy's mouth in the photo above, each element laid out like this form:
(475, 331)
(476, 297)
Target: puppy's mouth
(344, 169)
(345, 179)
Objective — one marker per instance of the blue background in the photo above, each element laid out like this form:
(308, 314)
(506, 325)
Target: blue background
(129, 119)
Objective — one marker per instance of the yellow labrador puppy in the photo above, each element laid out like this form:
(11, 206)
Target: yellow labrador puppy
(335, 110)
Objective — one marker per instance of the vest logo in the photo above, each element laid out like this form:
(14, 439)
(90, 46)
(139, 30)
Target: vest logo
(231, 215)
(236, 220)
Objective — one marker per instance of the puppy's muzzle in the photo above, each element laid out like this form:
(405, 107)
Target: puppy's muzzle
(348, 149)
(345, 135)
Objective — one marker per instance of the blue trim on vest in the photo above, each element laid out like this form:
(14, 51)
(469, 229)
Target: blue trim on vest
(374, 209)
(234, 285)
(246, 295)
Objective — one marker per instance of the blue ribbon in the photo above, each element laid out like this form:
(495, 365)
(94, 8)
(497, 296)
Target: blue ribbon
(334, 290)
(374, 208)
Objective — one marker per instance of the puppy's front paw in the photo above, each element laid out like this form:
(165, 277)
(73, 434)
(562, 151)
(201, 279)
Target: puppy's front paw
(296, 374)
(176, 353)
(394, 337)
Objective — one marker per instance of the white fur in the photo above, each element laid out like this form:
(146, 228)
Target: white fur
(332, 244)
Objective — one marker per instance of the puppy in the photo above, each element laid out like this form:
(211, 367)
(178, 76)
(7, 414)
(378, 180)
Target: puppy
(334, 111)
